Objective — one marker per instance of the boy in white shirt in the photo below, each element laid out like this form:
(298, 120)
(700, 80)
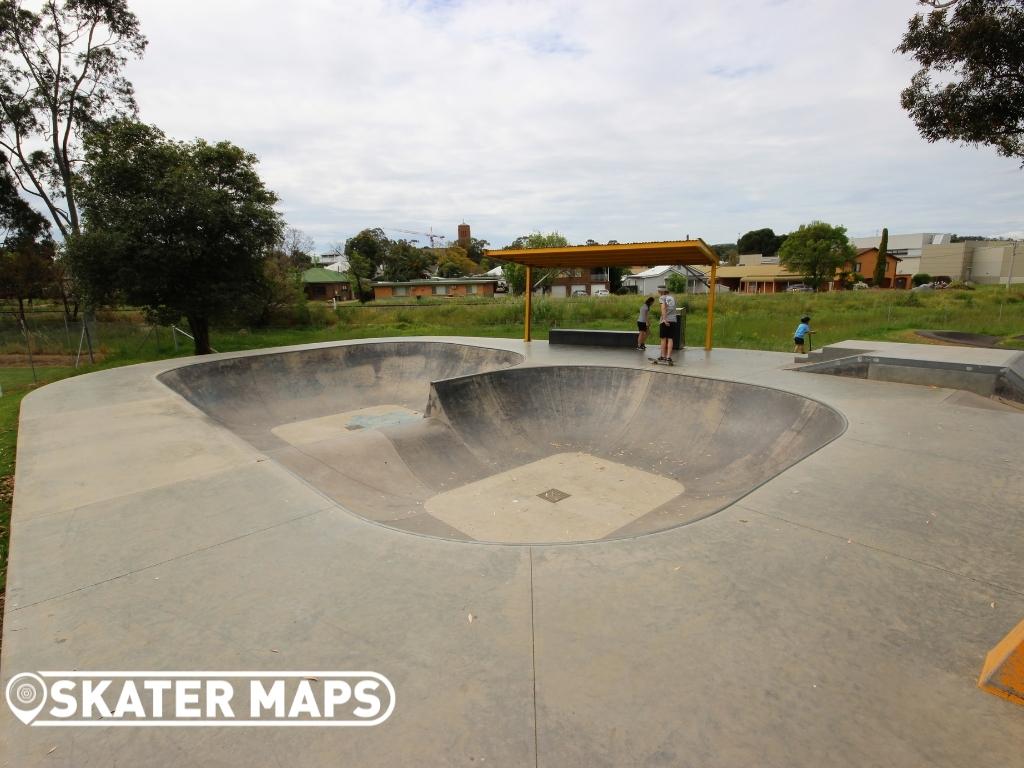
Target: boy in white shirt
(667, 325)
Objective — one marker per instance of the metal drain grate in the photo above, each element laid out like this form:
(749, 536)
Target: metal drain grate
(554, 495)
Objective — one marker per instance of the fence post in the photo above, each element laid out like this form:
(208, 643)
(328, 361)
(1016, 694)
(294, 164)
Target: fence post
(88, 339)
(28, 346)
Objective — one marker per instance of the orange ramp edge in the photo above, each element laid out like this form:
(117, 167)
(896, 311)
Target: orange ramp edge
(1003, 671)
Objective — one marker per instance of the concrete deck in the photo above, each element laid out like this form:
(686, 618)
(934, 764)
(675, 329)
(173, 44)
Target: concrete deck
(838, 614)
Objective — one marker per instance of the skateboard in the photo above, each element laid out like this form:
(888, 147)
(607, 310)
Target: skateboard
(656, 361)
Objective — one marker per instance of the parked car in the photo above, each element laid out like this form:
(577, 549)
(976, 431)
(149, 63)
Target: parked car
(601, 292)
(579, 293)
(799, 288)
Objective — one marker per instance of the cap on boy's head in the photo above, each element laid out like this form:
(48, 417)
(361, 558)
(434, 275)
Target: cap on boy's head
(805, 319)
(662, 289)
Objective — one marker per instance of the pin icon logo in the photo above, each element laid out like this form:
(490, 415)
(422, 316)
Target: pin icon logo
(26, 696)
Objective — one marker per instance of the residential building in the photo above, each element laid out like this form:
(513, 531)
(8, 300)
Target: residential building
(864, 264)
(647, 282)
(451, 286)
(573, 282)
(757, 278)
(321, 284)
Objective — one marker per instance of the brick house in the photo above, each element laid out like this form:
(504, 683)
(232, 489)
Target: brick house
(453, 286)
(864, 264)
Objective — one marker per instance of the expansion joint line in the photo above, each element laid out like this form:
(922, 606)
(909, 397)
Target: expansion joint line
(533, 661)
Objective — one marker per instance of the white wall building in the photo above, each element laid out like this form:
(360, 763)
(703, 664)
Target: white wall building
(647, 282)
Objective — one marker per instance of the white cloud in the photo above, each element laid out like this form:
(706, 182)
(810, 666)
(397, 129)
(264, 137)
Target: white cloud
(637, 121)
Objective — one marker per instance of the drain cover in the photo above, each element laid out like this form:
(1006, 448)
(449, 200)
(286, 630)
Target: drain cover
(352, 427)
(553, 495)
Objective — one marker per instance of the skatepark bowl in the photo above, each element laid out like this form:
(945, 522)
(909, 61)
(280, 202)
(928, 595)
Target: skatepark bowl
(459, 442)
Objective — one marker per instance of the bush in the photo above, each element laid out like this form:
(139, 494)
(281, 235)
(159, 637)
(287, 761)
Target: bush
(921, 278)
(960, 285)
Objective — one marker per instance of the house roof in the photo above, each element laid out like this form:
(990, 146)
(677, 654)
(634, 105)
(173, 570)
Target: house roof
(756, 271)
(323, 275)
(658, 271)
(617, 255)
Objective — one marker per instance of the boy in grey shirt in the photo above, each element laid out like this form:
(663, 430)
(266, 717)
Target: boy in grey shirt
(667, 326)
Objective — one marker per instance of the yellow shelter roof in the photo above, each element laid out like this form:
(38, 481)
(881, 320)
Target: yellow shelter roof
(617, 255)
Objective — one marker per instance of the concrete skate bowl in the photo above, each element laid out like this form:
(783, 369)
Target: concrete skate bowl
(397, 435)
(962, 338)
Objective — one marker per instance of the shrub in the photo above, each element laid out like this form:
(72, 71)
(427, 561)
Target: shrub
(921, 278)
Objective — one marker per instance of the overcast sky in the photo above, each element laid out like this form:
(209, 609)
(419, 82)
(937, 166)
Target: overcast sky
(640, 120)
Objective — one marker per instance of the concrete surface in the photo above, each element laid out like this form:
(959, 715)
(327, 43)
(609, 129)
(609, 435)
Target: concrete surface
(837, 614)
(481, 431)
(961, 337)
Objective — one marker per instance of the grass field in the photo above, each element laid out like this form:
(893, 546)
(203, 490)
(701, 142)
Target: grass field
(747, 322)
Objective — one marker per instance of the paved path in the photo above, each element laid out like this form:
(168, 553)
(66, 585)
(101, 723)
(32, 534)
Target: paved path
(837, 615)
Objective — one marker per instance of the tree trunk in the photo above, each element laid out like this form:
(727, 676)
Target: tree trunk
(21, 312)
(70, 309)
(200, 327)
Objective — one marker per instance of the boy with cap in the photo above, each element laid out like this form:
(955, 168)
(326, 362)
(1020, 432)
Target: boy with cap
(801, 333)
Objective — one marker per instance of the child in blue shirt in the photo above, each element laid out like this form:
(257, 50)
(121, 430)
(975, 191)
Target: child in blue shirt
(801, 333)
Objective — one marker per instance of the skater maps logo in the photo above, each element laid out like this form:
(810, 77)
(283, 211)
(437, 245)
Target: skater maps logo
(181, 699)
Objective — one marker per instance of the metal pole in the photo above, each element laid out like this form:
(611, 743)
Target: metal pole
(712, 290)
(1009, 275)
(81, 341)
(528, 306)
(28, 346)
(88, 339)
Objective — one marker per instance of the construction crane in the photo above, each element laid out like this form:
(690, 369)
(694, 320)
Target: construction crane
(430, 234)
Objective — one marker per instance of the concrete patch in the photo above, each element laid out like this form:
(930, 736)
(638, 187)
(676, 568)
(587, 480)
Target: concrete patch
(326, 427)
(603, 496)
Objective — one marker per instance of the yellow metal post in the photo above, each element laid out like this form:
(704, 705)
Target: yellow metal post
(712, 292)
(528, 306)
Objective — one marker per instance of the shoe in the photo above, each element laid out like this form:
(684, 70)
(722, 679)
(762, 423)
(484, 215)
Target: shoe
(642, 346)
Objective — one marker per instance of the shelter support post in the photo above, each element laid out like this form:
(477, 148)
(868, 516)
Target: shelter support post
(712, 294)
(528, 305)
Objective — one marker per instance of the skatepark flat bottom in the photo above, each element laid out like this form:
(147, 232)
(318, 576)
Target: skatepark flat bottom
(326, 508)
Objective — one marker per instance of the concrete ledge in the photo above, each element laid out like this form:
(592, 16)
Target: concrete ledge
(1010, 382)
(592, 338)
(1003, 671)
(982, 379)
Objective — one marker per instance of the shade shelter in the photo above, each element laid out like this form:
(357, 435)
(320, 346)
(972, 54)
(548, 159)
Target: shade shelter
(690, 252)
